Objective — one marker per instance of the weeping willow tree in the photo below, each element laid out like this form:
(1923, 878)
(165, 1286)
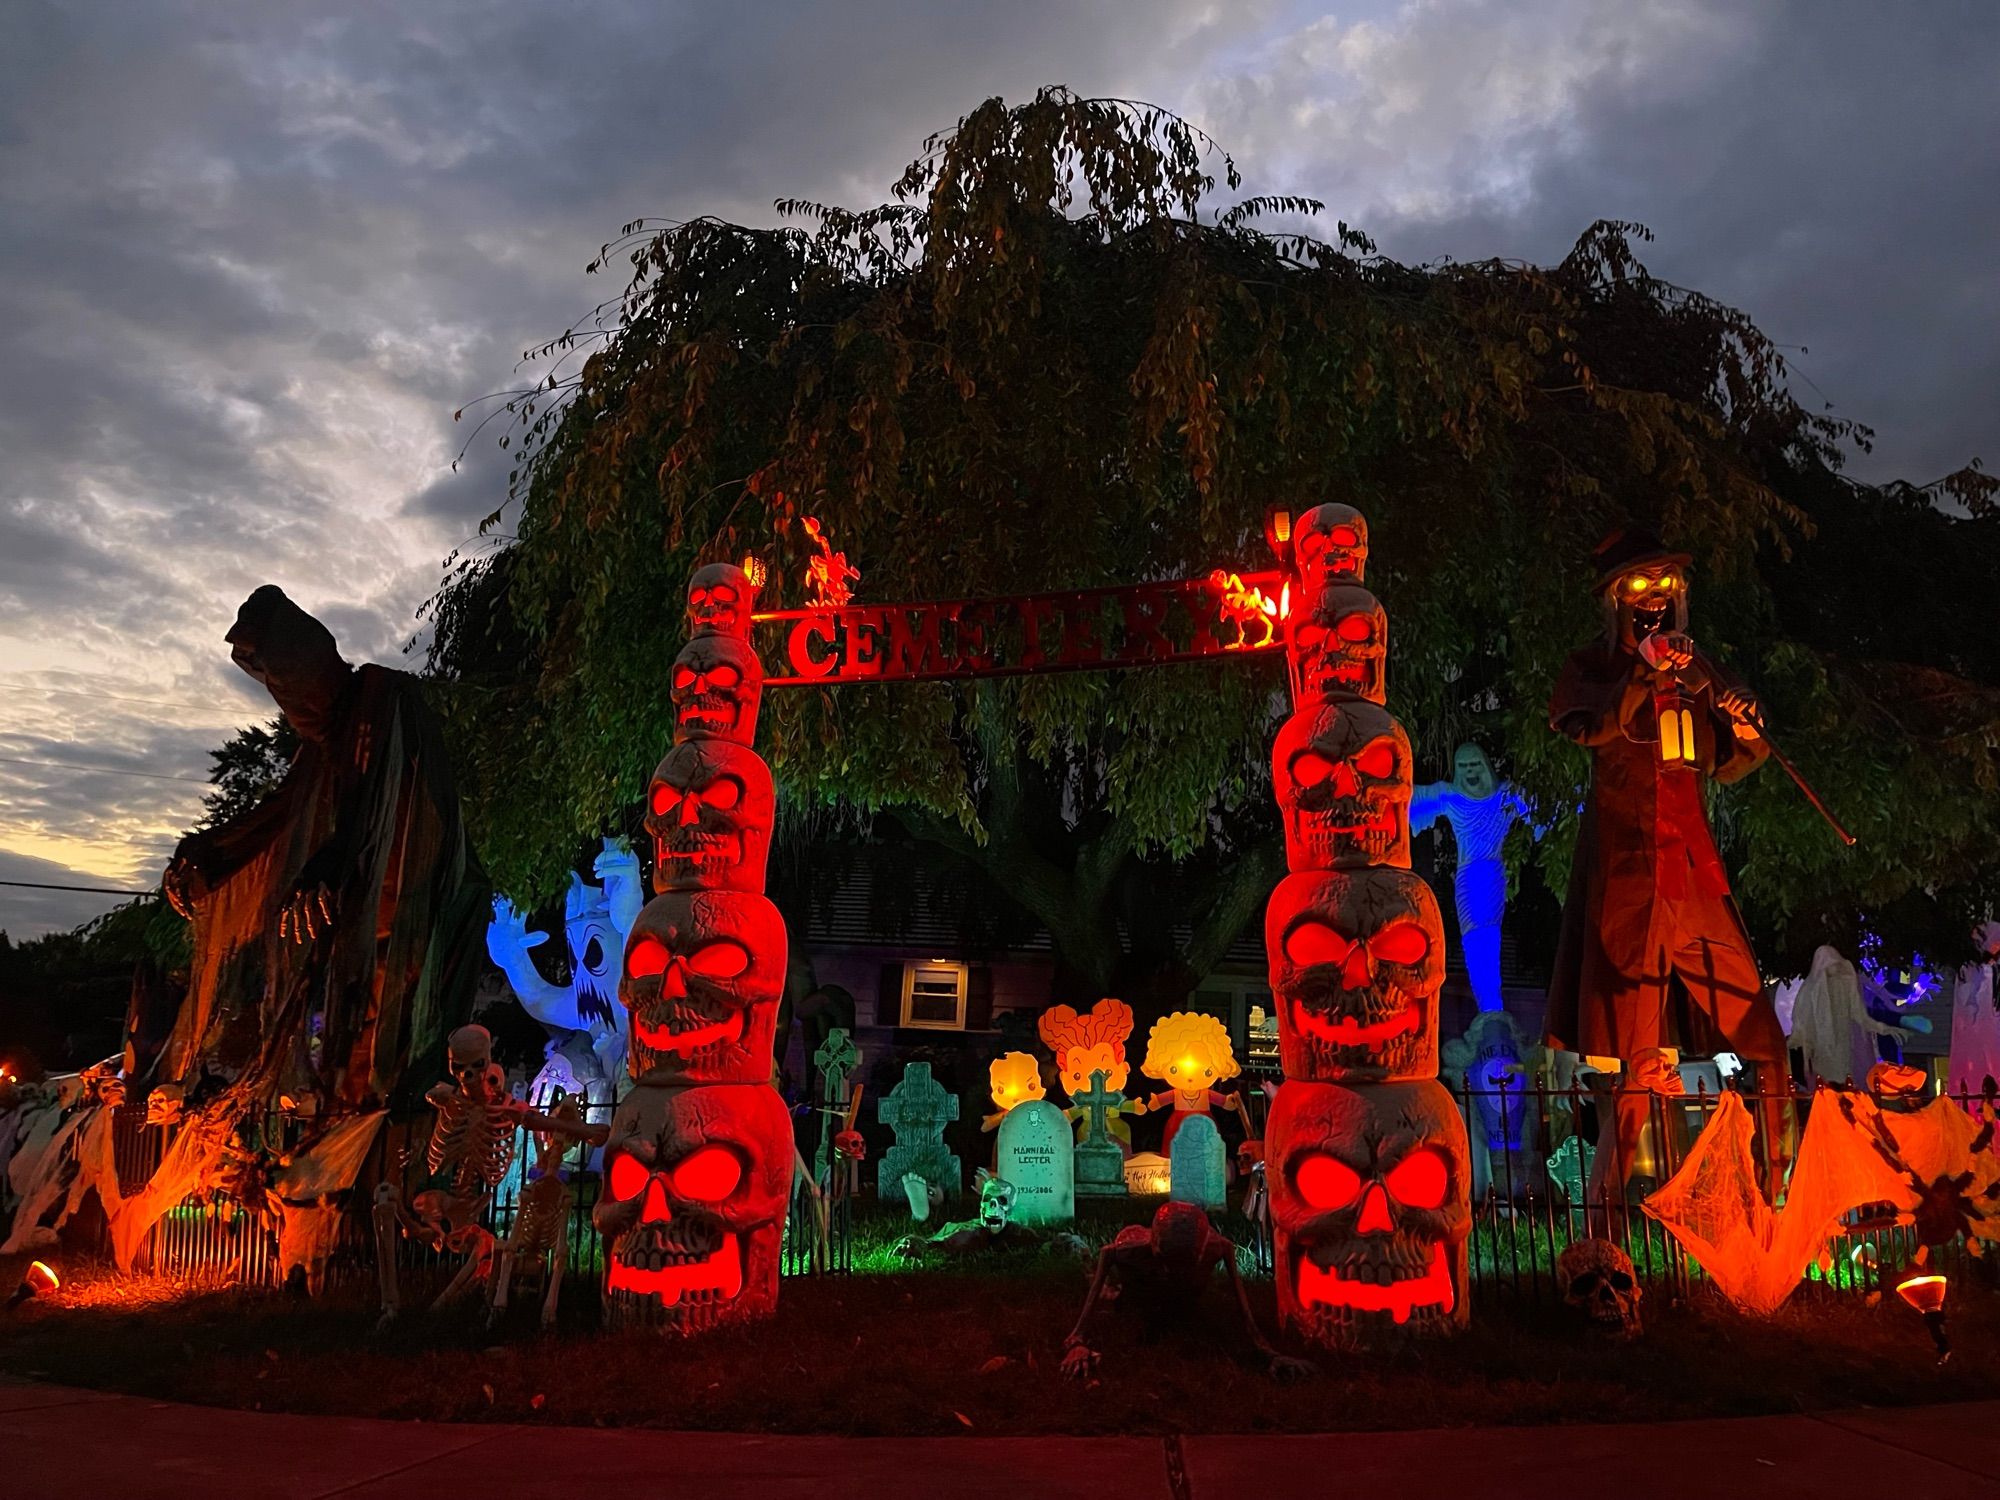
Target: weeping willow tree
(1051, 361)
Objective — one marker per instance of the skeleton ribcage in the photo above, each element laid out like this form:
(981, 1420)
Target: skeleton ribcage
(477, 1143)
(543, 1216)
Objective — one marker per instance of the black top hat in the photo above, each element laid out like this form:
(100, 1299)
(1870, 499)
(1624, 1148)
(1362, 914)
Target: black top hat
(1627, 548)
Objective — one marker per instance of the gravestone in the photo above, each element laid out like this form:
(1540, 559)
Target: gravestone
(917, 1109)
(1100, 1165)
(836, 1055)
(1198, 1166)
(1035, 1154)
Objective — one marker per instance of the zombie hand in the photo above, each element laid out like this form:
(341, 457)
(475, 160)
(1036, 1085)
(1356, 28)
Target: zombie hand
(1742, 706)
(307, 913)
(1079, 1361)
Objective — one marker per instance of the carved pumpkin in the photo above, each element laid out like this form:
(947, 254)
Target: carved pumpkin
(1342, 771)
(710, 809)
(1356, 963)
(1330, 545)
(693, 1205)
(1370, 1210)
(720, 598)
(1339, 645)
(703, 974)
(716, 684)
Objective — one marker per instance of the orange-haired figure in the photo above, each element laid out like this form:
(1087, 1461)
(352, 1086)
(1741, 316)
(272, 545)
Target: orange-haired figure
(1093, 1043)
(1015, 1078)
(1189, 1051)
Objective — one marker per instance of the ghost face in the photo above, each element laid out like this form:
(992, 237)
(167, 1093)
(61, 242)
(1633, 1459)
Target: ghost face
(1472, 773)
(1648, 601)
(710, 809)
(720, 598)
(593, 965)
(1370, 1208)
(704, 971)
(693, 1208)
(1339, 645)
(1342, 776)
(717, 681)
(1357, 960)
(1330, 545)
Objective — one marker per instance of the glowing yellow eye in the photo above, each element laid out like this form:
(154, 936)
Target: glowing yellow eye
(1637, 585)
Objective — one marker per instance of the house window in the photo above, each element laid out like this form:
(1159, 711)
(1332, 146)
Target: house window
(934, 995)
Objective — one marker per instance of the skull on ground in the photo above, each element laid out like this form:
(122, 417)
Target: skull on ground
(1597, 1279)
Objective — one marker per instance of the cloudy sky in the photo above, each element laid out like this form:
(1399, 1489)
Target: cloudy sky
(253, 256)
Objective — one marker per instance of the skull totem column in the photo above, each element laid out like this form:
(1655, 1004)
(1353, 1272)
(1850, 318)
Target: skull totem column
(698, 1170)
(1367, 1165)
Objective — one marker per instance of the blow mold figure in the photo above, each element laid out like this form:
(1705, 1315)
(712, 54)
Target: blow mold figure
(1190, 1052)
(1093, 1042)
(596, 920)
(1015, 1078)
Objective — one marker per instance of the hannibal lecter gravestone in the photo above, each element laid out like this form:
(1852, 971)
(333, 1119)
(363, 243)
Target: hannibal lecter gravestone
(1034, 1154)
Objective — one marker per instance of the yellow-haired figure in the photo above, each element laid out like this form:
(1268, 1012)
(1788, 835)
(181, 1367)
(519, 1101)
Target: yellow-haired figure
(1188, 1051)
(1093, 1043)
(1015, 1078)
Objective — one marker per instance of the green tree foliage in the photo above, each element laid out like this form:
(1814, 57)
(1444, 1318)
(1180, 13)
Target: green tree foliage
(1050, 362)
(247, 767)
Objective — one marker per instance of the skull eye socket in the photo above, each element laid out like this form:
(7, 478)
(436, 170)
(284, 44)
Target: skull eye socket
(697, 597)
(724, 677)
(1620, 1282)
(708, 1176)
(722, 594)
(1310, 768)
(1344, 536)
(1326, 1182)
(684, 678)
(663, 799)
(1377, 760)
(1312, 943)
(1307, 636)
(628, 1177)
(724, 792)
(1400, 943)
(1355, 629)
(1420, 1180)
(646, 958)
(722, 960)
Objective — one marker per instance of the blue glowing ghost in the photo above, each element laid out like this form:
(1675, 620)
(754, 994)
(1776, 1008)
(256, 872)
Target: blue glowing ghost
(1480, 809)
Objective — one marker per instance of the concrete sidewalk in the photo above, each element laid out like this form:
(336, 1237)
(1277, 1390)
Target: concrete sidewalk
(56, 1442)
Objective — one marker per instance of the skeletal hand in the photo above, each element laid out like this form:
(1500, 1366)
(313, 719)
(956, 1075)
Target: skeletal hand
(1079, 1361)
(306, 914)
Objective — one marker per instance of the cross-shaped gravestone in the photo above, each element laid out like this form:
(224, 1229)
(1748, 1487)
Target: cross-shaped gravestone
(1100, 1165)
(836, 1055)
(917, 1109)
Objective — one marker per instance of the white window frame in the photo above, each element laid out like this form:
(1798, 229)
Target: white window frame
(961, 973)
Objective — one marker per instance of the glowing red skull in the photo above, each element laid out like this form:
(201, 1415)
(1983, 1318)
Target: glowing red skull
(693, 1208)
(1330, 545)
(1356, 963)
(720, 598)
(703, 974)
(1341, 771)
(1339, 645)
(709, 810)
(1370, 1210)
(717, 683)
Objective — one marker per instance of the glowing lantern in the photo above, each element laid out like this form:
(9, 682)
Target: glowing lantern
(40, 1278)
(1676, 713)
(1926, 1295)
(753, 569)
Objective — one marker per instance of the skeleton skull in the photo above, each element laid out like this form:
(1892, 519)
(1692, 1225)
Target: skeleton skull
(996, 1202)
(1339, 645)
(1597, 1280)
(693, 1209)
(469, 1051)
(720, 598)
(1370, 1209)
(1330, 545)
(709, 810)
(1356, 963)
(1342, 775)
(703, 974)
(717, 682)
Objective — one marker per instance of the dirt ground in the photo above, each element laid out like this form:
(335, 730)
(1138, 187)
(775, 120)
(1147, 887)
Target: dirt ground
(974, 1348)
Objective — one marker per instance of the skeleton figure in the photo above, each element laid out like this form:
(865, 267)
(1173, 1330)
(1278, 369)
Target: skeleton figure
(540, 1240)
(994, 1229)
(595, 922)
(1159, 1272)
(1597, 1280)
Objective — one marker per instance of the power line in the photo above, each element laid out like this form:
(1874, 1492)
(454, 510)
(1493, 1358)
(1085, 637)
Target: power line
(64, 765)
(93, 890)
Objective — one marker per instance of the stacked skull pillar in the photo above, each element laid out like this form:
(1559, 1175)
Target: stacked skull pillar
(1366, 1150)
(698, 1168)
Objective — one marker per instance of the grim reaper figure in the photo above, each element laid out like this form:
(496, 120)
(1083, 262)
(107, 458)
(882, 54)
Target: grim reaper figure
(336, 924)
(1653, 951)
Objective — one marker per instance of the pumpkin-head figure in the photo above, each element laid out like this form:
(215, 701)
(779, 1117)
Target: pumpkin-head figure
(1339, 645)
(1341, 771)
(693, 1207)
(716, 685)
(704, 971)
(1190, 1053)
(720, 598)
(1015, 1077)
(1330, 545)
(1356, 963)
(1093, 1042)
(1370, 1209)
(710, 810)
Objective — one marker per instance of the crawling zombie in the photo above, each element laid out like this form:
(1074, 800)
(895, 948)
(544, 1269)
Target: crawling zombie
(1159, 1272)
(994, 1229)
